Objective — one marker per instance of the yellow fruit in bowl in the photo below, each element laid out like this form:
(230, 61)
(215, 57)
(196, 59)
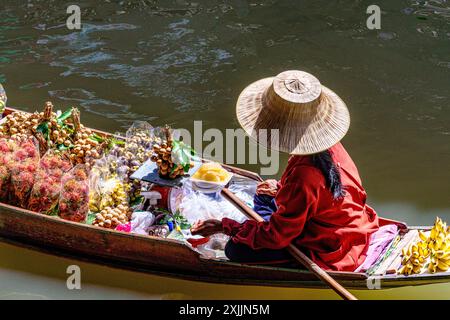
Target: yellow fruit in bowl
(223, 175)
(212, 172)
(211, 166)
(211, 176)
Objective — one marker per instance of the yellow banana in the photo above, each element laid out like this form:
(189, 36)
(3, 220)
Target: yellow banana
(401, 270)
(422, 236)
(405, 260)
(405, 252)
(437, 245)
(417, 269)
(420, 251)
(442, 265)
(433, 234)
(446, 256)
(432, 268)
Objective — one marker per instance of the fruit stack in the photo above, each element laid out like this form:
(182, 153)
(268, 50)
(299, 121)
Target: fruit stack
(431, 253)
(110, 218)
(162, 155)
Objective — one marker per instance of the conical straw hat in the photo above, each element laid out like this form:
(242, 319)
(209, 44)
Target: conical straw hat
(310, 118)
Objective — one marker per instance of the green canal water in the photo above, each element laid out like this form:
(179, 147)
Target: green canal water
(179, 61)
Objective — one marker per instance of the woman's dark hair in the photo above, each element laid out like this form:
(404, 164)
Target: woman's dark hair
(325, 164)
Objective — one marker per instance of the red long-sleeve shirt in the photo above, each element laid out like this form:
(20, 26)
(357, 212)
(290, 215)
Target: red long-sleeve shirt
(335, 234)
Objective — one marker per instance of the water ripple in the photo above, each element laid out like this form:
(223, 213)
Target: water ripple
(91, 103)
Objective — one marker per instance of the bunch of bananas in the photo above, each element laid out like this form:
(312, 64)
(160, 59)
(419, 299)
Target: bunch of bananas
(110, 193)
(414, 258)
(439, 244)
(431, 252)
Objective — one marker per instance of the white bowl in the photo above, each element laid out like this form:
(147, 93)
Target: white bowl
(210, 186)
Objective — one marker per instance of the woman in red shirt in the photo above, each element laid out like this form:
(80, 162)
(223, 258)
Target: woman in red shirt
(319, 204)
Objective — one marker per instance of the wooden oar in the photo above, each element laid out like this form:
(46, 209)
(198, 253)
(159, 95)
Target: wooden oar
(293, 250)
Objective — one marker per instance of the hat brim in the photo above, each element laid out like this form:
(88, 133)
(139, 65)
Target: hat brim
(328, 126)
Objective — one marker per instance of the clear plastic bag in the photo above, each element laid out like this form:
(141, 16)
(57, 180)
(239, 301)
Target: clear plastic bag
(139, 143)
(108, 185)
(74, 200)
(214, 248)
(47, 187)
(24, 164)
(195, 206)
(3, 100)
(6, 152)
(141, 221)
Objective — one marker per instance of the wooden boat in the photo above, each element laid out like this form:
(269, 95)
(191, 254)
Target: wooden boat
(174, 258)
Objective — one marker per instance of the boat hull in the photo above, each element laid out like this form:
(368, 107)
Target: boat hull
(166, 257)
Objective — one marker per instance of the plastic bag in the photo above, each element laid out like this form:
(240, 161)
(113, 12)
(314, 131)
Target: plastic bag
(6, 152)
(24, 164)
(195, 206)
(139, 144)
(74, 200)
(141, 222)
(108, 185)
(47, 187)
(3, 100)
(214, 248)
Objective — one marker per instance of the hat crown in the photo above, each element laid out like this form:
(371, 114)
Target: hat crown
(297, 87)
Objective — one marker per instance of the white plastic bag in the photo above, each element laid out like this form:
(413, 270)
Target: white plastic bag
(141, 222)
(195, 206)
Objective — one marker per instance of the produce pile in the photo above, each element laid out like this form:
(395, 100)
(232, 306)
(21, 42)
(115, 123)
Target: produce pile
(6, 151)
(431, 253)
(168, 165)
(22, 166)
(111, 218)
(51, 164)
(47, 186)
(74, 200)
(59, 131)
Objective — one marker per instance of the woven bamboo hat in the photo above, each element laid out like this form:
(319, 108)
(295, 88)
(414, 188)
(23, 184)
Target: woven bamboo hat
(310, 118)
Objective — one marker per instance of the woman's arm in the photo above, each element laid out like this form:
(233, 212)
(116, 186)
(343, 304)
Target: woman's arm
(296, 199)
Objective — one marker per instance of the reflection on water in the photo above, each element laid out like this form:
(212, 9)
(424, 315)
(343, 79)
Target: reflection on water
(178, 61)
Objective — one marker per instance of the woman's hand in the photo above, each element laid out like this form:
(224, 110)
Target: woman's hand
(207, 228)
(268, 187)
